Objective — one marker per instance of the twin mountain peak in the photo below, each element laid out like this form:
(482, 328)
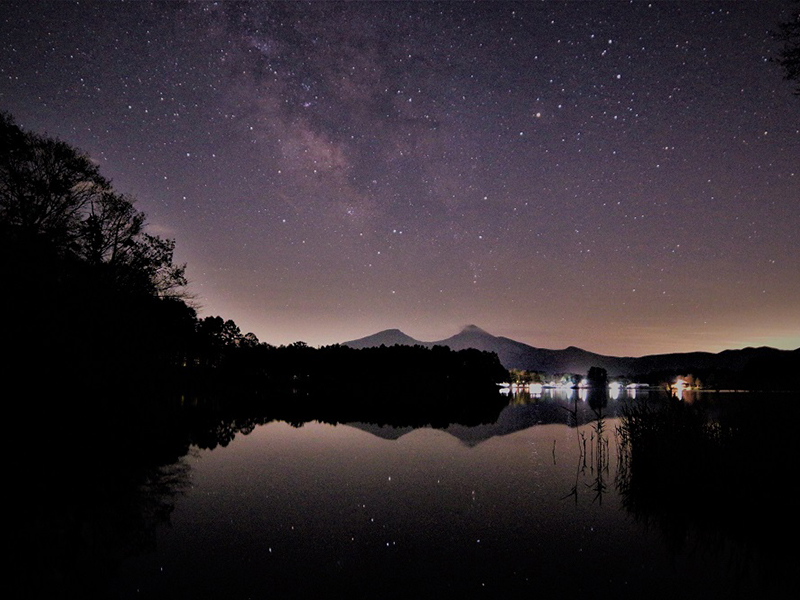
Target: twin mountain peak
(517, 355)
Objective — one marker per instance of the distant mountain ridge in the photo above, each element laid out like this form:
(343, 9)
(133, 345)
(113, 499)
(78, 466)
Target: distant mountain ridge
(517, 355)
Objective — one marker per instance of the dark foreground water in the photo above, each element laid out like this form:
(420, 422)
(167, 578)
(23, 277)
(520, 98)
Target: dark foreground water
(528, 506)
(209, 500)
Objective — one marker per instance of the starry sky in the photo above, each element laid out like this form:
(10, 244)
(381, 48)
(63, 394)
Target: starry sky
(619, 176)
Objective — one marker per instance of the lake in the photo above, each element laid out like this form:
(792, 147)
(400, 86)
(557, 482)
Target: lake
(528, 505)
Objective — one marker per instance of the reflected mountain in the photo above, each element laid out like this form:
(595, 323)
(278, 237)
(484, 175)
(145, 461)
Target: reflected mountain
(555, 407)
(385, 432)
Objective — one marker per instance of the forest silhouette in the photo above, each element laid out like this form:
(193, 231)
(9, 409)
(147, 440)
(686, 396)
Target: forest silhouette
(97, 305)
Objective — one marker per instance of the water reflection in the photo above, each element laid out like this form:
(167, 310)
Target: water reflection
(502, 507)
(414, 516)
(551, 486)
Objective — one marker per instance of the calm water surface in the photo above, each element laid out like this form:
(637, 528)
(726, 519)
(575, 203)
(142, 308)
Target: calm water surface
(523, 506)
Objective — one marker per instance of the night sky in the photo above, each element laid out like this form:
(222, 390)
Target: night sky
(623, 177)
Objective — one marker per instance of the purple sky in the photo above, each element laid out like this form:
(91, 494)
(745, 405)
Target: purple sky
(623, 177)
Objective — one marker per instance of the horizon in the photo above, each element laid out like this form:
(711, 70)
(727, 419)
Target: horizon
(622, 178)
(483, 330)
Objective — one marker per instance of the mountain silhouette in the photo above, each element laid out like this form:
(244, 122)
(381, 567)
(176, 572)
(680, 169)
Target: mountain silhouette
(388, 337)
(517, 355)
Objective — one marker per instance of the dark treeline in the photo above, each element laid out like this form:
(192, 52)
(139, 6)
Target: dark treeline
(768, 370)
(399, 385)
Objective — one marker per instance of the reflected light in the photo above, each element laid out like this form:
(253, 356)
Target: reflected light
(678, 387)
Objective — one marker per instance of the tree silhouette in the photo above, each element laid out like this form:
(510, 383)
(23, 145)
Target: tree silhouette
(598, 377)
(45, 185)
(111, 228)
(789, 56)
(53, 195)
(86, 289)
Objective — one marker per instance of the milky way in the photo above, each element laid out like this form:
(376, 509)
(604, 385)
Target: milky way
(624, 177)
